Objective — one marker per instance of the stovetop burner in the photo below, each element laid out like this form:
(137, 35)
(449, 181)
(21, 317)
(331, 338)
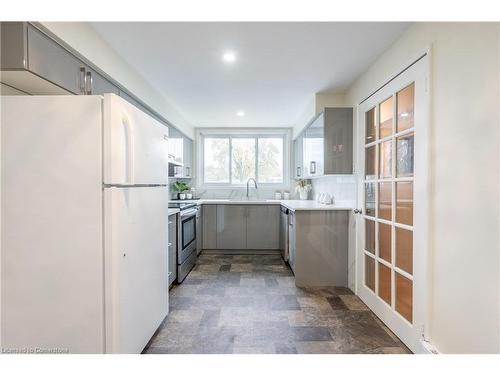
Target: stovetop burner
(181, 206)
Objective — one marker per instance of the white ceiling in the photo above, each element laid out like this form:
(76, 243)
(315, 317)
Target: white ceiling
(279, 67)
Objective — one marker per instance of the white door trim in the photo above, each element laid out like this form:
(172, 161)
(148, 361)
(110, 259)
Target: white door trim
(416, 335)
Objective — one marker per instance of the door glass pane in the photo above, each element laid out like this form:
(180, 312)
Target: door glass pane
(370, 163)
(386, 118)
(370, 126)
(242, 160)
(404, 249)
(405, 152)
(384, 282)
(384, 201)
(406, 100)
(385, 157)
(384, 241)
(271, 160)
(370, 272)
(404, 203)
(370, 236)
(370, 199)
(216, 160)
(404, 297)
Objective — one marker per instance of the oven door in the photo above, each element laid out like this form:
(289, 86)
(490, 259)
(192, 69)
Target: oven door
(187, 235)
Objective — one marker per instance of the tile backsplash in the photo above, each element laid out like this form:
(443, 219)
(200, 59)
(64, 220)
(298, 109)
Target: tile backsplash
(342, 188)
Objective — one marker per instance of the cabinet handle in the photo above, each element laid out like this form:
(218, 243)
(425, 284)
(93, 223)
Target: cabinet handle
(170, 244)
(298, 171)
(313, 167)
(88, 83)
(358, 211)
(83, 81)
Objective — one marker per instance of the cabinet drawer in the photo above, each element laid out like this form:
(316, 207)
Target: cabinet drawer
(52, 62)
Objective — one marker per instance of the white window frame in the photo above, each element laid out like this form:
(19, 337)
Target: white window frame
(202, 133)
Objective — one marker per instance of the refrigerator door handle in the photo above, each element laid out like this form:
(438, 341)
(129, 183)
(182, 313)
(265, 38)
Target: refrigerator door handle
(129, 150)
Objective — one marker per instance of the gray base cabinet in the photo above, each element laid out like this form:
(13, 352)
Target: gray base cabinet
(209, 224)
(231, 226)
(238, 227)
(263, 227)
(172, 248)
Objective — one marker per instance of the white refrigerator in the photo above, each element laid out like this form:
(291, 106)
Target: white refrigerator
(84, 212)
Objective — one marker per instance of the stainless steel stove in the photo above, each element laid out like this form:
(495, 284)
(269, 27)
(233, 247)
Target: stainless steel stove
(186, 237)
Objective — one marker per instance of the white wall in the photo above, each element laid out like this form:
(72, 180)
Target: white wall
(464, 214)
(84, 39)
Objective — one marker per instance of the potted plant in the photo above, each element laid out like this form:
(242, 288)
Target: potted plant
(180, 187)
(303, 188)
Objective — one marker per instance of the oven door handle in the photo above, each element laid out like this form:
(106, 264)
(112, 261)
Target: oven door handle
(188, 213)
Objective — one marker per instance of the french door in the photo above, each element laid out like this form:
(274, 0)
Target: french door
(392, 186)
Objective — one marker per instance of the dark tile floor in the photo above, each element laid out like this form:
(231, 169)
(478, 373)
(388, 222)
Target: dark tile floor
(249, 304)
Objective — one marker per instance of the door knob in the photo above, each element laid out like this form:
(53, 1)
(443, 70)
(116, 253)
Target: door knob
(358, 211)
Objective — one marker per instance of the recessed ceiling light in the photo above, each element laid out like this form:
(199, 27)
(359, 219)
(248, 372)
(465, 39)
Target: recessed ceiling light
(240, 113)
(229, 57)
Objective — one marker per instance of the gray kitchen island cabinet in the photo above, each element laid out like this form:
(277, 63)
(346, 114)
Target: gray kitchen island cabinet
(319, 247)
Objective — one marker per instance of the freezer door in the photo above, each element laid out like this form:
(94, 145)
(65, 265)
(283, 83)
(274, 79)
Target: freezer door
(135, 145)
(136, 273)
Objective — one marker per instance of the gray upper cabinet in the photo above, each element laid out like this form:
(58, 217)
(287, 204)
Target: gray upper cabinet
(263, 226)
(327, 144)
(298, 146)
(338, 141)
(231, 226)
(52, 62)
(99, 85)
(188, 158)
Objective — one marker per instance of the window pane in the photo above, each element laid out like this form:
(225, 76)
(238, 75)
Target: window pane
(405, 152)
(370, 236)
(404, 297)
(404, 249)
(370, 163)
(386, 118)
(216, 158)
(384, 241)
(370, 126)
(385, 201)
(406, 107)
(370, 199)
(404, 203)
(384, 282)
(385, 157)
(370, 272)
(243, 160)
(271, 160)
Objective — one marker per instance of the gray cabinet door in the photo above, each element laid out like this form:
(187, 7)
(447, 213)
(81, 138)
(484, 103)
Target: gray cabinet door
(231, 226)
(298, 155)
(263, 227)
(338, 140)
(188, 158)
(52, 62)
(209, 225)
(314, 147)
(172, 248)
(100, 85)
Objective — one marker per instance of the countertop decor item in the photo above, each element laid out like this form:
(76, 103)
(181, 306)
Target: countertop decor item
(303, 188)
(181, 188)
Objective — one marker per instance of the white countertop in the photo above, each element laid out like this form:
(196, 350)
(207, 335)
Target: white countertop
(292, 204)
